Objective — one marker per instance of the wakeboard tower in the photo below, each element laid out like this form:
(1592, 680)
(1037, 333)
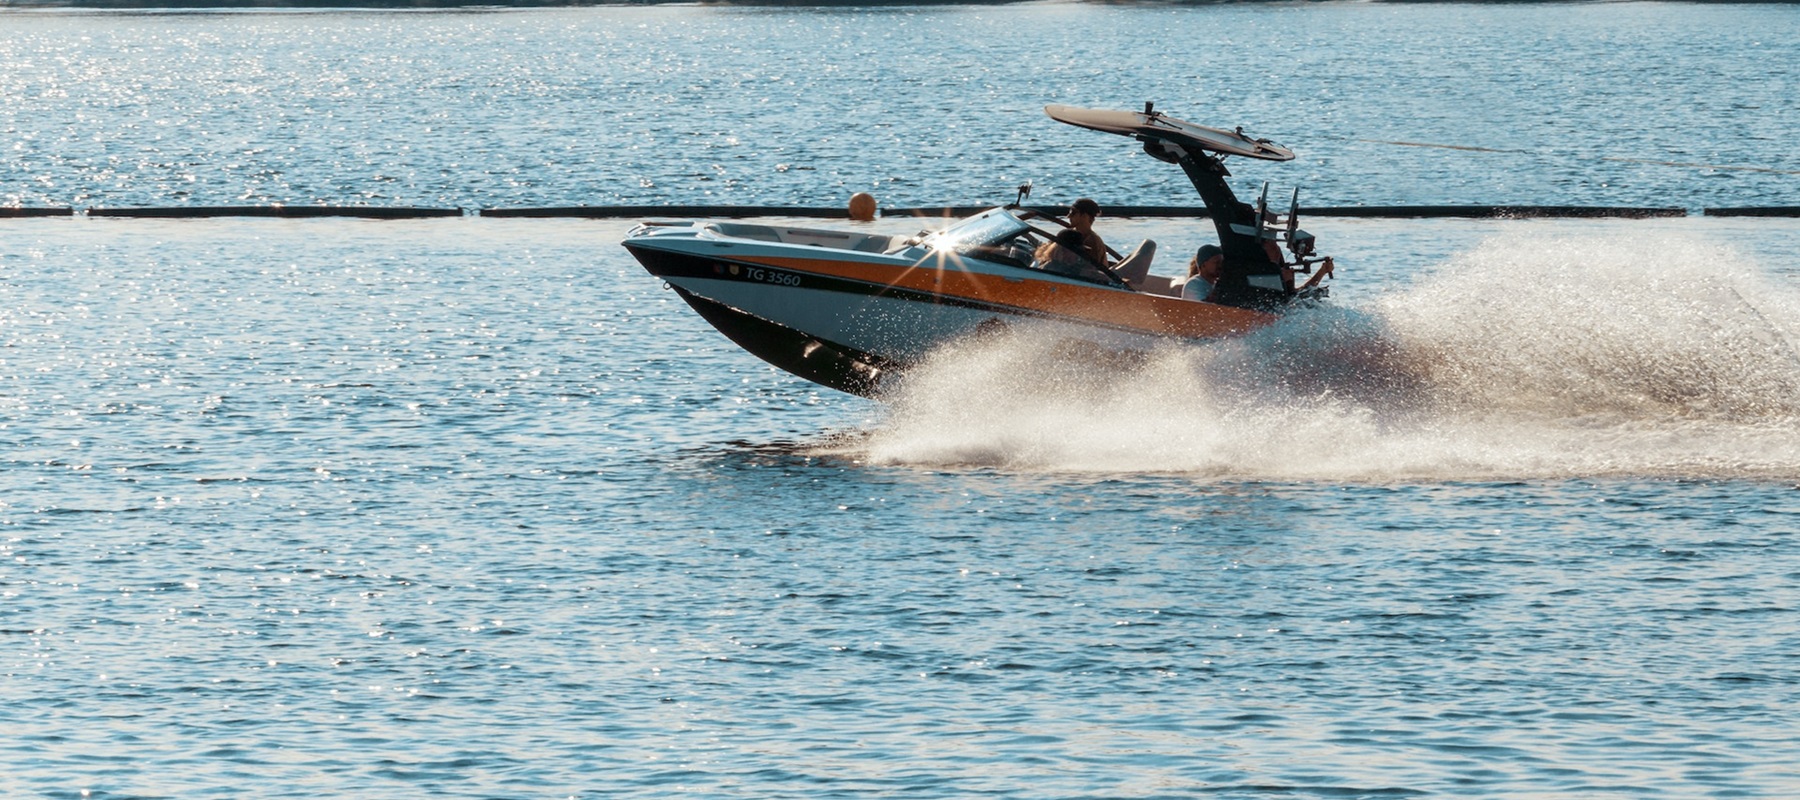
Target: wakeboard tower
(852, 310)
(1251, 236)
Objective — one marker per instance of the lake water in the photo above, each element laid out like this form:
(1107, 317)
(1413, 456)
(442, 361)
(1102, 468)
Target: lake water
(474, 508)
(921, 106)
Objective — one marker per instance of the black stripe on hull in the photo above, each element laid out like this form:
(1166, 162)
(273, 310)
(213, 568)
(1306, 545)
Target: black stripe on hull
(825, 363)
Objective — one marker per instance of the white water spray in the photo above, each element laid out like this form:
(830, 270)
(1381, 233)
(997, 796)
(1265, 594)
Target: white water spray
(1573, 356)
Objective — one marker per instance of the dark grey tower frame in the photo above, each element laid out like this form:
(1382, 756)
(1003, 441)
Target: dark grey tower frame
(1245, 253)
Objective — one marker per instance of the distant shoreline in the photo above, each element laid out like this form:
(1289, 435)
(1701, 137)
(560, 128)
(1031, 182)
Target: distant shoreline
(382, 5)
(354, 5)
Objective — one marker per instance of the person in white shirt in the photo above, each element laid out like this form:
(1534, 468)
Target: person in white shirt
(1203, 272)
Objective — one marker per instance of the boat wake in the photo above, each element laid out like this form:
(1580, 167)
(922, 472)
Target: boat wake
(1522, 358)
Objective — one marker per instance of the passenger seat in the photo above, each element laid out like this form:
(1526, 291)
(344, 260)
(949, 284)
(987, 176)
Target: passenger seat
(1135, 266)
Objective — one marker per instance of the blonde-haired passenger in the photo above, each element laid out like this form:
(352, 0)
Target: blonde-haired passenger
(1067, 255)
(1203, 272)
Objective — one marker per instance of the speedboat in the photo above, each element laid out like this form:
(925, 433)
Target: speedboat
(852, 310)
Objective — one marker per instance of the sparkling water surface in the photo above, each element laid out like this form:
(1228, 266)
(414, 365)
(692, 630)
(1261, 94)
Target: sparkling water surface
(1658, 104)
(474, 508)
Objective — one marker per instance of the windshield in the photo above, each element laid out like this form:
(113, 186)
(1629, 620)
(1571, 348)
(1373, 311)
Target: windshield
(984, 230)
(995, 236)
(998, 237)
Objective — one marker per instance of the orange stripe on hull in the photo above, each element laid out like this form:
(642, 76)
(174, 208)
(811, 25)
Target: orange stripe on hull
(1154, 314)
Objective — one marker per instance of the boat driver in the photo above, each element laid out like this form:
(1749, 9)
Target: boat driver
(1133, 269)
(1082, 214)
